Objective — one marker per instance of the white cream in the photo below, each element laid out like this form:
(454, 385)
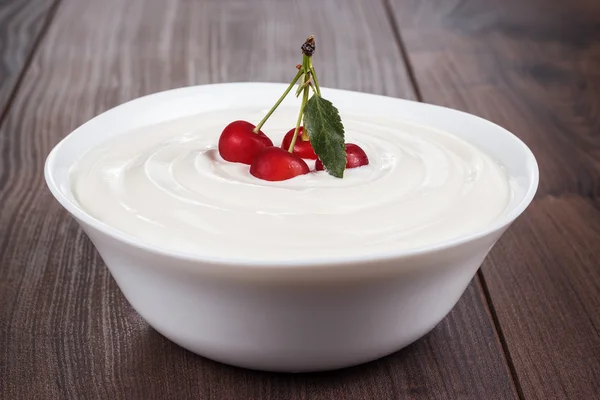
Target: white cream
(167, 185)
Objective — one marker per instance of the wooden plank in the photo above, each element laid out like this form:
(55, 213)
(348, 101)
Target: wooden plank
(531, 66)
(21, 23)
(544, 280)
(66, 329)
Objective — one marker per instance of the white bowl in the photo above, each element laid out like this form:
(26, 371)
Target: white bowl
(291, 316)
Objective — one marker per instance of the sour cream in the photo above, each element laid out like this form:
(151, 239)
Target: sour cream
(166, 185)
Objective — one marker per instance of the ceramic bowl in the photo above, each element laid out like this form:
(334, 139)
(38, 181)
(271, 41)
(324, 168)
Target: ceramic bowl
(302, 315)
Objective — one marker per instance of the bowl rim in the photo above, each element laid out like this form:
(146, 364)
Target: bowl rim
(130, 240)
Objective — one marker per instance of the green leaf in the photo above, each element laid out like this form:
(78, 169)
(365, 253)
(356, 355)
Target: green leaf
(326, 132)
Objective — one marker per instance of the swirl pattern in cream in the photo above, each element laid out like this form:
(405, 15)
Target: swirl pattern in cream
(167, 186)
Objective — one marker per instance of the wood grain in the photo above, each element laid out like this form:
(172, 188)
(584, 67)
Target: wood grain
(21, 23)
(531, 66)
(65, 328)
(547, 299)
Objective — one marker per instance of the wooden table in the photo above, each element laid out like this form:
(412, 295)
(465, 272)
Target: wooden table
(528, 325)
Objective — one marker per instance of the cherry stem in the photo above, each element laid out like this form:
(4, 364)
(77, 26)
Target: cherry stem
(300, 115)
(308, 77)
(272, 110)
(314, 76)
(306, 71)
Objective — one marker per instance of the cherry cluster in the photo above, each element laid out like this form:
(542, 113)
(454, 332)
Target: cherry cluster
(240, 143)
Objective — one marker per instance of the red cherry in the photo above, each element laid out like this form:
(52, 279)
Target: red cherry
(302, 148)
(355, 157)
(276, 164)
(238, 143)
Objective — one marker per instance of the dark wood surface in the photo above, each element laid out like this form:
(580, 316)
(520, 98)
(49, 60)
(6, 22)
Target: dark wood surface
(22, 24)
(533, 67)
(526, 327)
